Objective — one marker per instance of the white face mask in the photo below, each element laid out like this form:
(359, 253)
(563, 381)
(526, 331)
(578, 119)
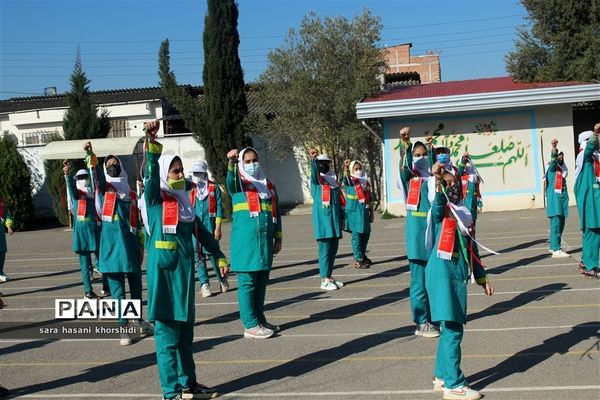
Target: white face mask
(359, 173)
(83, 184)
(252, 169)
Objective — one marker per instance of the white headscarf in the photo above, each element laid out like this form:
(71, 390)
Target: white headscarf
(583, 139)
(186, 211)
(330, 176)
(80, 183)
(362, 178)
(259, 181)
(200, 166)
(121, 182)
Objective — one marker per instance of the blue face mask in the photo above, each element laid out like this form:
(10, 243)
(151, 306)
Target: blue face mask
(443, 158)
(252, 169)
(421, 163)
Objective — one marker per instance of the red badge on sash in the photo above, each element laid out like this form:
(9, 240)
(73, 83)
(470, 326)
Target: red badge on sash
(212, 200)
(465, 185)
(597, 169)
(414, 193)
(447, 239)
(325, 195)
(110, 203)
(81, 206)
(170, 213)
(558, 181)
(193, 196)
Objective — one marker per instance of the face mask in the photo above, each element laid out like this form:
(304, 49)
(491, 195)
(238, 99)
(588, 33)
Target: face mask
(176, 184)
(83, 184)
(359, 173)
(252, 169)
(453, 193)
(199, 177)
(113, 170)
(560, 162)
(443, 158)
(323, 168)
(421, 163)
(200, 184)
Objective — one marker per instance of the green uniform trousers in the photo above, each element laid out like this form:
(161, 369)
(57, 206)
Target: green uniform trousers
(359, 244)
(591, 248)
(2, 258)
(202, 269)
(174, 356)
(419, 301)
(327, 251)
(85, 264)
(116, 282)
(252, 287)
(447, 360)
(557, 226)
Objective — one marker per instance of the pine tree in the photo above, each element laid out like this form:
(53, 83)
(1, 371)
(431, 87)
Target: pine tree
(81, 121)
(15, 184)
(219, 123)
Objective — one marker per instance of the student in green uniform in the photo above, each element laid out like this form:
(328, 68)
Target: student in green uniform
(206, 196)
(587, 193)
(557, 199)
(5, 221)
(120, 247)
(327, 215)
(255, 236)
(446, 276)
(86, 229)
(359, 211)
(418, 186)
(171, 223)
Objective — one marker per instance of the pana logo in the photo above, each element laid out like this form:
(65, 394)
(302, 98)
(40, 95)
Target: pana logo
(97, 309)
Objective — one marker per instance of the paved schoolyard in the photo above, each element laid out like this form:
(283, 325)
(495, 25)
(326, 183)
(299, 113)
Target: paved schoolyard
(537, 338)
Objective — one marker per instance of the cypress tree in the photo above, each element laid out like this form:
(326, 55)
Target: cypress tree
(81, 121)
(15, 184)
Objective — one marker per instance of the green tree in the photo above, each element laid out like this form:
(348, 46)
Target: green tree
(561, 42)
(81, 121)
(15, 184)
(314, 81)
(219, 122)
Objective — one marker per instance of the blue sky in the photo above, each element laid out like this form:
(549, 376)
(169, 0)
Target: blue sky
(119, 39)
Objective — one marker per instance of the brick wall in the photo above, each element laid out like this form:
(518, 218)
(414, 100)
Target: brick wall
(399, 59)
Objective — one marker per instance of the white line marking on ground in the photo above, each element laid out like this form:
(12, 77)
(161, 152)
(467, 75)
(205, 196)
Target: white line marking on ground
(365, 393)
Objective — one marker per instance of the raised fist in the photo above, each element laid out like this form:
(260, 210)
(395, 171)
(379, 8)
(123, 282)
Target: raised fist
(313, 153)
(554, 143)
(428, 139)
(233, 155)
(88, 147)
(65, 167)
(346, 163)
(405, 133)
(152, 128)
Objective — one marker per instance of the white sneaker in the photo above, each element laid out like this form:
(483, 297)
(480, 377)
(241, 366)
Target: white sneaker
(438, 384)
(461, 393)
(328, 284)
(4, 278)
(146, 329)
(258, 332)
(205, 290)
(337, 283)
(427, 330)
(224, 286)
(560, 254)
(125, 339)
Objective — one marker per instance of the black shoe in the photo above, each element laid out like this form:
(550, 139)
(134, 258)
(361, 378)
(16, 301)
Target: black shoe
(368, 261)
(198, 391)
(274, 328)
(3, 392)
(361, 264)
(91, 295)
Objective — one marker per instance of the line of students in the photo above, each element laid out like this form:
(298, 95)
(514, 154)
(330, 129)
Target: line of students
(441, 202)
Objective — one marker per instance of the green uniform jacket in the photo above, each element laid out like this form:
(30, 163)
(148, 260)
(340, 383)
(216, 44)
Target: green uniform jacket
(446, 280)
(119, 247)
(86, 233)
(201, 209)
(5, 221)
(358, 216)
(587, 190)
(326, 221)
(416, 221)
(252, 238)
(170, 263)
(557, 204)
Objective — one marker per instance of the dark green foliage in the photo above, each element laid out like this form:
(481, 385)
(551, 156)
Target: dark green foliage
(562, 42)
(57, 188)
(218, 124)
(15, 184)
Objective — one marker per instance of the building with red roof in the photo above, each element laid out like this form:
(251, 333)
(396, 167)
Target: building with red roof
(505, 126)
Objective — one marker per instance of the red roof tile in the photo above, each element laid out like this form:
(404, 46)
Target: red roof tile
(455, 88)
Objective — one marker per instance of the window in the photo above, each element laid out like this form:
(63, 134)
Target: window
(119, 128)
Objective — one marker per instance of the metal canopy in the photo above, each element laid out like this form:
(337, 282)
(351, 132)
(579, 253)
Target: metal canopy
(73, 149)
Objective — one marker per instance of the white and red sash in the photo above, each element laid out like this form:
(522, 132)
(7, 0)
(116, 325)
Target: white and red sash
(414, 193)
(110, 204)
(597, 169)
(81, 206)
(558, 180)
(447, 238)
(212, 199)
(254, 199)
(364, 195)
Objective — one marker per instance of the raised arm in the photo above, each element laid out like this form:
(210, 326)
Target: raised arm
(592, 145)
(314, 172)
(153, 152)
(232, 182)
(553, 156)
(71, 187)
